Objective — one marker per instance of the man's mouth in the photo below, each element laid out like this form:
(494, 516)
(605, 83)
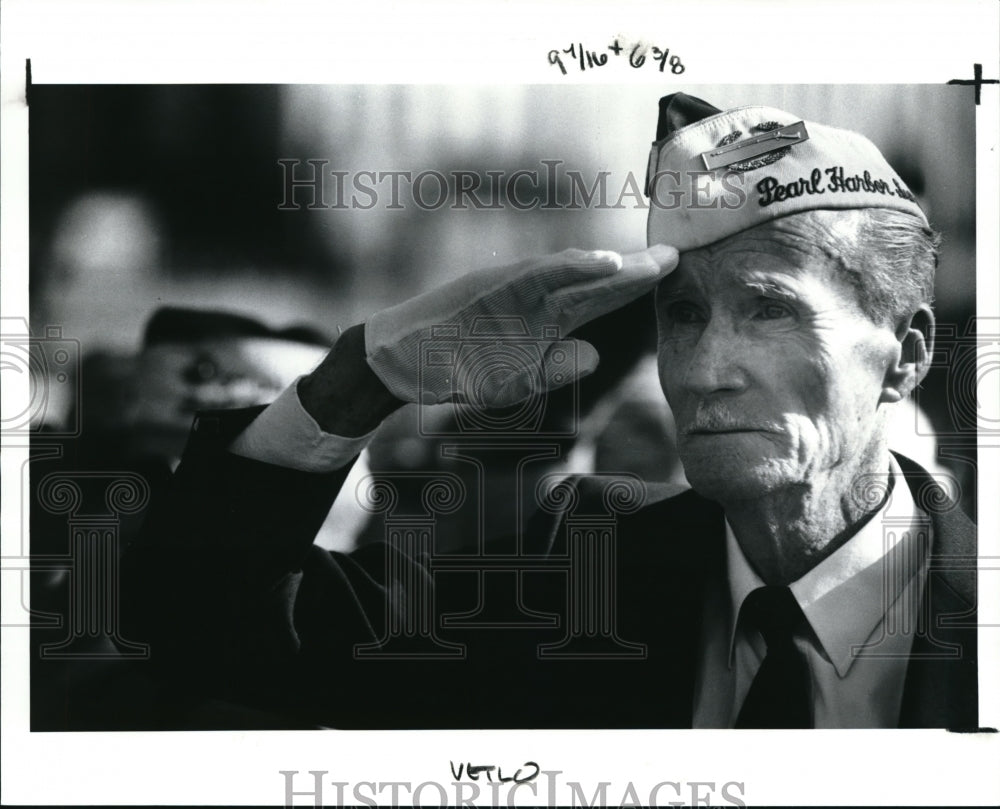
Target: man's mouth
(724, 430)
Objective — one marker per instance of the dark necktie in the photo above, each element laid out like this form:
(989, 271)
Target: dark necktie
(779, 696)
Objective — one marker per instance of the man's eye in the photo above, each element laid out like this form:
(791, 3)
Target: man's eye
(773, 310)
(684, 313)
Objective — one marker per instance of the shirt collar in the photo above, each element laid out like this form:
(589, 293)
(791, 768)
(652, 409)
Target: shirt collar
(847, 594)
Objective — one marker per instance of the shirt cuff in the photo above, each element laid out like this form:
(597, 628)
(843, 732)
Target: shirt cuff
(284, 434)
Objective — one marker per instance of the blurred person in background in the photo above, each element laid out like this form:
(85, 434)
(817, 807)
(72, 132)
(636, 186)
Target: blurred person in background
(135, 411)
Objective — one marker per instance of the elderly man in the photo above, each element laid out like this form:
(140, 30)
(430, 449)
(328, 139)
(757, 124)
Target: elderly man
(793, 587)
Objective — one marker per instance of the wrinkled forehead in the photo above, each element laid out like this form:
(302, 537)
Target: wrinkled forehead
(797, 251)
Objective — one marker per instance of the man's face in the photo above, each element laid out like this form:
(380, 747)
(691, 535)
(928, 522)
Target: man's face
(772, 371)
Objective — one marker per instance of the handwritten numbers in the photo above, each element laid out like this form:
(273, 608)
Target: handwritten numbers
(584, 59)
(587, 59)
(676, 66)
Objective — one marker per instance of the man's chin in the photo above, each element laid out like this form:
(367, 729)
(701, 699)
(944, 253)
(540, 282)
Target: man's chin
(724, 479)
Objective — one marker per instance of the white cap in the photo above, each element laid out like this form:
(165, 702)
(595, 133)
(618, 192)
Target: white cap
(730, 171)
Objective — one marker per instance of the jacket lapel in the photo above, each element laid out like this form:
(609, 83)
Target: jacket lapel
(672, 547)
(941, 688)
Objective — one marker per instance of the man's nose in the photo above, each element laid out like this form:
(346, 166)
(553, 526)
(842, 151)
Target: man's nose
(715, 366)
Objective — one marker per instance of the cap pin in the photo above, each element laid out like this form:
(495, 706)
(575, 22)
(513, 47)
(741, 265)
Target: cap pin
(756, 146)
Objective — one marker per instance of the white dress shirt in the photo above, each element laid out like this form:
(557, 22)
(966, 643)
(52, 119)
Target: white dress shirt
(861, 603)
(284, 434)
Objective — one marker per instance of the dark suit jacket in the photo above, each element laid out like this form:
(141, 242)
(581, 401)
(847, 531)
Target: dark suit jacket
(236, 602)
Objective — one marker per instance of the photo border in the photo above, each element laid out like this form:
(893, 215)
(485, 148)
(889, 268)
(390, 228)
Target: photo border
(871, 42)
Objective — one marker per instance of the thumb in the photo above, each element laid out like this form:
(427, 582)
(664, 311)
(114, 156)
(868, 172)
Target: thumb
(569, 360)
(503, 383)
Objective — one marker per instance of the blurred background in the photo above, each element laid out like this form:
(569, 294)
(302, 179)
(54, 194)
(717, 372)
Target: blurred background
(151, 195)
(166, 240)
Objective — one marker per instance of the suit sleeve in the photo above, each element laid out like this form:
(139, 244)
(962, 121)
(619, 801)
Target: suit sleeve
(224, 582)
(235, 601)
(286, 435)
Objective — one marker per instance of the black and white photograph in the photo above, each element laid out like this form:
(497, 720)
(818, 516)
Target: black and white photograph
(620, 403)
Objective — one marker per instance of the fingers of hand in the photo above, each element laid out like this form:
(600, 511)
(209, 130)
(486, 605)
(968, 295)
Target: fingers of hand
(639, 273)
(664, 256)
(574, 266)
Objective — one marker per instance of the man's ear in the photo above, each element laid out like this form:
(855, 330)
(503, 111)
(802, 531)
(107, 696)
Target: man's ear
(915, 335)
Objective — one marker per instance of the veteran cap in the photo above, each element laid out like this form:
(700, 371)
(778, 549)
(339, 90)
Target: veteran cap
(712, 173)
